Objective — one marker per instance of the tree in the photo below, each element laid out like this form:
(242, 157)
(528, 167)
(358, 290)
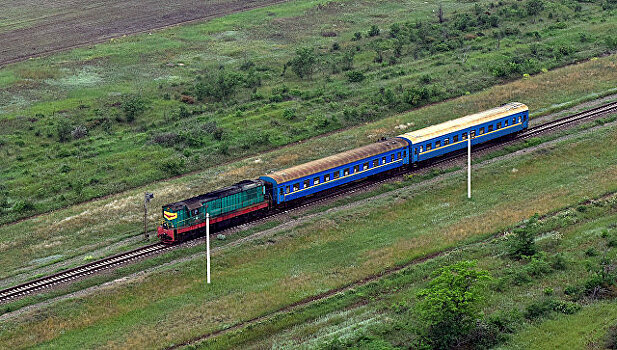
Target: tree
(304, 62)
(534, 7)
(448, 307)
(133, 106)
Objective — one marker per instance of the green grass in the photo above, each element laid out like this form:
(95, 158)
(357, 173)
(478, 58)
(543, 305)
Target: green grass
(101, 222)
(256, 278)
(87, 86)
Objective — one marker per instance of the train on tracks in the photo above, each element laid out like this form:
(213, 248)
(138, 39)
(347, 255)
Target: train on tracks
(186, 219)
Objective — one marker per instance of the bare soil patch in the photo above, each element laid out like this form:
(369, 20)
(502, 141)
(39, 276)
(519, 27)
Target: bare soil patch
(66, 24)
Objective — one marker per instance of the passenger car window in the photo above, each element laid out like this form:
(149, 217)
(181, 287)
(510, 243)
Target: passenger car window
(498, 126)
(505, 123)
(383, 160)
(428, 146)
(336, 174)
(365, 166)
(437, 144)
(326, 177)
(296, 187)
(316, 181)
(356, 168)
(481, 131)
(446, 141)
(514, 120)
(490, 128)
(307, 183)
(464, 136)
(398, 155)
(392, 158)
(375, 162)
(455, 138)
(417, 150)
(287, 189)
(472, 134)
(346, 172)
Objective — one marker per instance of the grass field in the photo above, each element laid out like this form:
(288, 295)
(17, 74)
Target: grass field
(256, 278)
(107, 118)
(97, 224)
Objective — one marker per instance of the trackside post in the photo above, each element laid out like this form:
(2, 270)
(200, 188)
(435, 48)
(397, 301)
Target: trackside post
(208, 244)
(469, 166)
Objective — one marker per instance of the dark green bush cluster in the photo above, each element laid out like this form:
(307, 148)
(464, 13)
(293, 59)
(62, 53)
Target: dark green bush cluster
(548, 305)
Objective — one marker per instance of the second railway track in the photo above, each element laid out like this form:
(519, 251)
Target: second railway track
(72, 274)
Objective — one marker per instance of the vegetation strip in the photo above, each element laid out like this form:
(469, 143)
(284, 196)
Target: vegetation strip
(79, 105)
(100, 265)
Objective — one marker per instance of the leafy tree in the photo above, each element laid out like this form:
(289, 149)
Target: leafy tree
(448, 308)
(347, 60)
(133, 106)
(534, 7)
(304, 62)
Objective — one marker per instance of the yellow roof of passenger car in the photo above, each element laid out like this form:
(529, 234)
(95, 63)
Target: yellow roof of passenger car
(471, 120)
(336, 160)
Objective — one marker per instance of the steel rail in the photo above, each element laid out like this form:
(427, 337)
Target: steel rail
(39, 284)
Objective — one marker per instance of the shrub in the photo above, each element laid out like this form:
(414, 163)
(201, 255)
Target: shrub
(63, 130)
(549, 305)
(133, 106)
(23, 206)
(217, 86)
(172, 166)
(355, 77)
(356, 36)
(79, 132)
(611, 338)
(374, 31)
(448, 307)
(521, 243)
(289, 114)
(304, 62)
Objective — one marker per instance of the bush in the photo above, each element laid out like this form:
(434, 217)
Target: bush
(133, 106)
(63, 130)
(304, 62)
(355, 77)
(217, 86)
(374, 31)
(23, 206)
(79, 132)
(448, 307)
(172, 166)
(521, 243)
(357, 36)
(611, 338)
(549, 305)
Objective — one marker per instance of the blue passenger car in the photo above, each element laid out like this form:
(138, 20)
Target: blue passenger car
(322, 174)
(437, 140)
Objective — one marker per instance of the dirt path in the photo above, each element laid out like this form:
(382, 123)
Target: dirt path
(32, 29)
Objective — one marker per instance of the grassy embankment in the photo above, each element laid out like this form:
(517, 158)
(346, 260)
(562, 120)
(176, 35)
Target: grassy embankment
(67, 133)
(52, 237)
(340, 248)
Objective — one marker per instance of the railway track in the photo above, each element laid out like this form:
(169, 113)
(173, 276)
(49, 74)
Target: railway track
(37, 285)
(79, 272)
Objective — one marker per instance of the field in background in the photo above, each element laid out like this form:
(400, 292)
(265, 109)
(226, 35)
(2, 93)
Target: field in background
(332, 251)
(100, 223)
(31, 28)
(104, 119)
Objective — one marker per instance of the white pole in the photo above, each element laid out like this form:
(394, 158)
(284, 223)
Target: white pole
(469, 166)
(208, 245)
